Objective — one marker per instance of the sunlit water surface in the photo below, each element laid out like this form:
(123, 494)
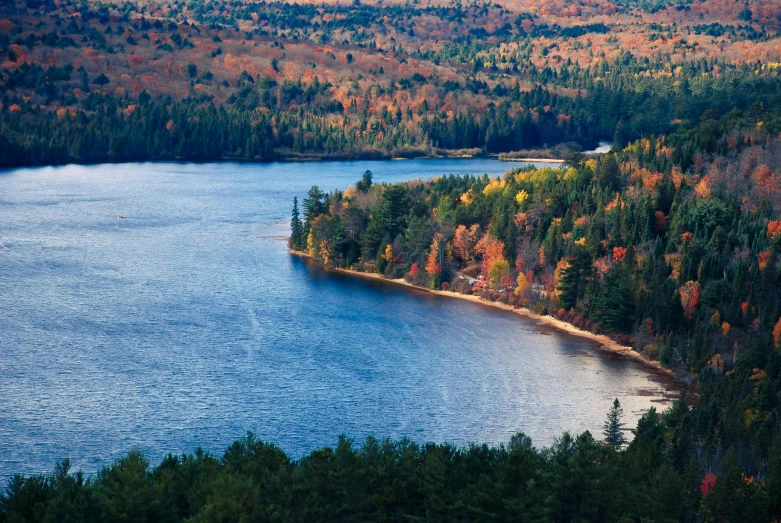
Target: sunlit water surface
(188, 324)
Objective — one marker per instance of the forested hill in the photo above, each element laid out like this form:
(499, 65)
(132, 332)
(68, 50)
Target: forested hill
(87, 81)
(671, 245)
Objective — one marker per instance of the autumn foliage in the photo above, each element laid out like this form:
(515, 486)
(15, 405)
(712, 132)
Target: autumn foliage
(690, 297)
(708, 484)
(464, 241)
(433, 264)
(777, 333)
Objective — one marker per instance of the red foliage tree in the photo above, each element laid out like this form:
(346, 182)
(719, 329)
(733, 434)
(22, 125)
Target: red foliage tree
(708, 484)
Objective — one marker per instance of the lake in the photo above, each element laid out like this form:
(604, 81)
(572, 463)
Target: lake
(188, 324)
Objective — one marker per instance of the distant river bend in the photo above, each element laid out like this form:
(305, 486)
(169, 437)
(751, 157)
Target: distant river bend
(187, 324)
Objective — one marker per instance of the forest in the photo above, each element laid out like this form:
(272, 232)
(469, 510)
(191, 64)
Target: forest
(669, 244)
(576, 479)
(86, 81)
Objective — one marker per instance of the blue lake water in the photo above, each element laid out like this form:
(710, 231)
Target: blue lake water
(188, 324)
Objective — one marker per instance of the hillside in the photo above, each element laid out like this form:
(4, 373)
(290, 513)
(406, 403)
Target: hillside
(258, 80)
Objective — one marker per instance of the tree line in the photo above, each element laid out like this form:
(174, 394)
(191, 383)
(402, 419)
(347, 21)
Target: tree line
(577, 478)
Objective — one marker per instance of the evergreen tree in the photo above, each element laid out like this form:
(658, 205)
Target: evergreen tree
(575, 278)
(615, 305)
(296, 228)
(314, 206)
(608, 174)
(614, 437)
(365, 183)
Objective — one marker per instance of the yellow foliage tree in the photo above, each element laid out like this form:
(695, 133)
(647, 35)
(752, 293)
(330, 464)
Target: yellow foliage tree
(468, 197)
(521, 197)
(325, 251)
(388, 256)
(716, 318)
(523, 283)
(702, 189)
(493, 185)
(560, 266)
(570, 174)
(497, 272)
(310, 245)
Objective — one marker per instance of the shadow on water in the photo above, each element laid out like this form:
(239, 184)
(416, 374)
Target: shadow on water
(583, 347)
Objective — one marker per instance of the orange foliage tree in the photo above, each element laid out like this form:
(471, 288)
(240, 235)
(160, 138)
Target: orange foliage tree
(433, 264)
(777, 333)
(773, 228)
(767, 181)
(661, 221)
(690, 297)
(465, 240)
(491, 249)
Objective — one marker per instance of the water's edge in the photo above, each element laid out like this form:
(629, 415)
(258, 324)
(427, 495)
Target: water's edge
(604, 343)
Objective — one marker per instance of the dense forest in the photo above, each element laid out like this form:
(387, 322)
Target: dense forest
(576, 479)
(670, 244)
(85, 81)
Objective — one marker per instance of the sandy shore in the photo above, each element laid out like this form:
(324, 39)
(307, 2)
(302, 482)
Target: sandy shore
(538, 160)
(604, 342)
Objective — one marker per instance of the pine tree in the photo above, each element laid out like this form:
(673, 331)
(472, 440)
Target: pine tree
(296, 228)
(616, 303)
(314, 206)
(614, 437)
(574, 278)
(365, 183)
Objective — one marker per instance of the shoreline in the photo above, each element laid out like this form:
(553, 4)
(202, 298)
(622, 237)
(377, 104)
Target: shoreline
(604, 343)
(282, 158)
(536, 160)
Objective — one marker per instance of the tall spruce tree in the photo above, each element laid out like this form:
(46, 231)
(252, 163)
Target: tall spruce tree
(616, 303)
(296, 228)
(575, 278)
(614, 436)
(314, 206)
(365, 183)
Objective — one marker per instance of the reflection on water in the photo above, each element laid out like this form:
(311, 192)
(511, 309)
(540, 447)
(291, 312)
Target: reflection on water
(187, 323)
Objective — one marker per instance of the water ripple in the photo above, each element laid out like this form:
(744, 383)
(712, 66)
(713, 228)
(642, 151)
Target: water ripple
(188, 324)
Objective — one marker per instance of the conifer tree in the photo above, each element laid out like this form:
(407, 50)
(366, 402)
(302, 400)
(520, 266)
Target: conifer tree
(296, 228)
(365, 183)
(615, 305)
(614, 437)
(575, 277)
(314, 206)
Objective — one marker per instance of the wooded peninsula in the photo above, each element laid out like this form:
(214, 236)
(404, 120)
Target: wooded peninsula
(669, 245)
